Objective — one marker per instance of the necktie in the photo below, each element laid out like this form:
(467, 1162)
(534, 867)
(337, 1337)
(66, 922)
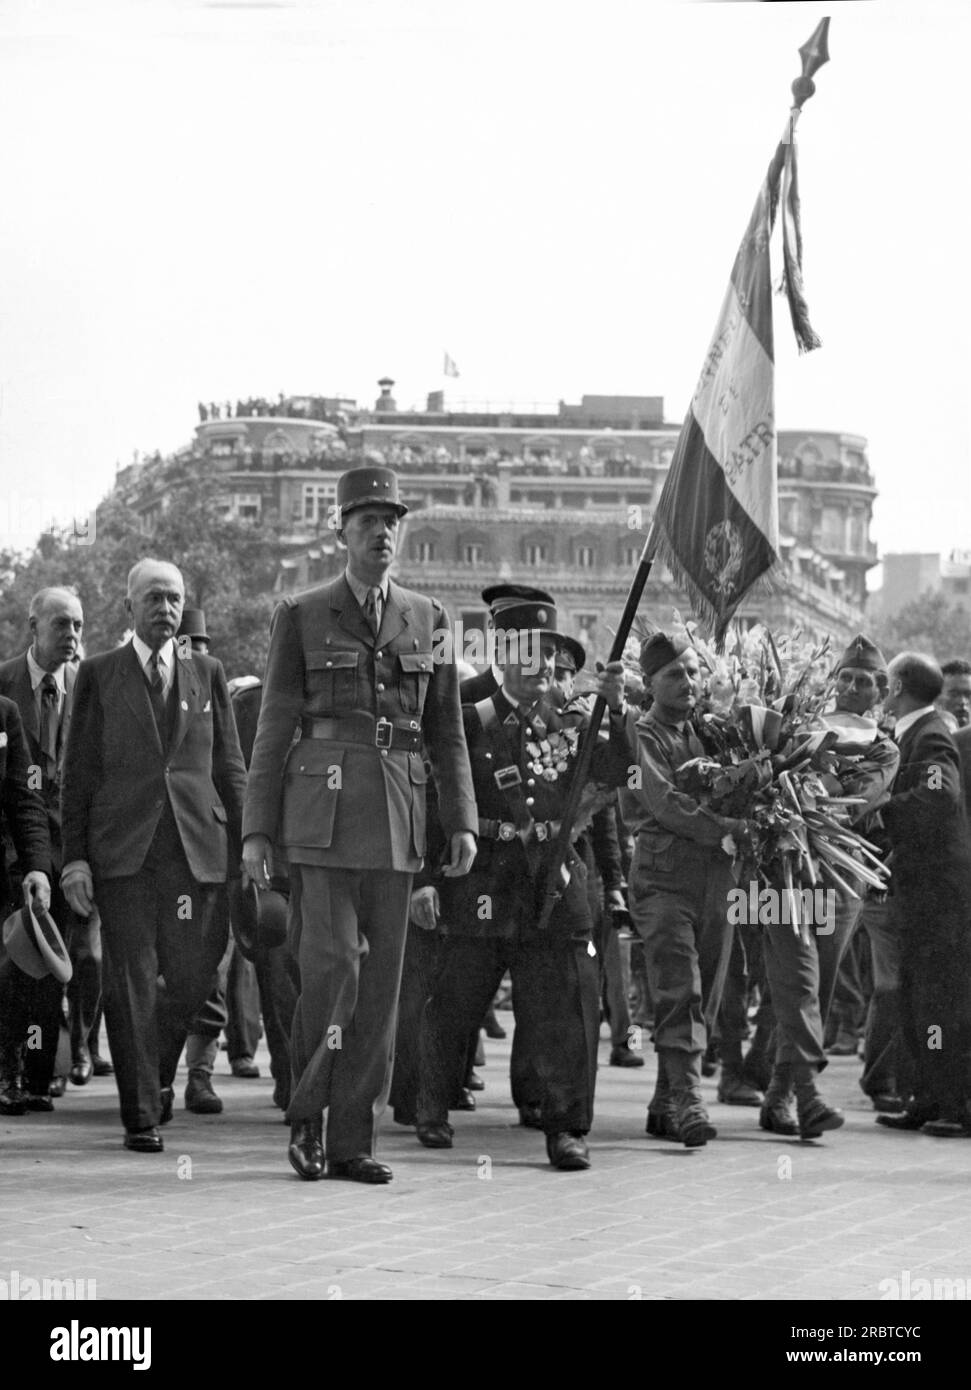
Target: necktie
(156, 689)
(372, 609)
(49, 723)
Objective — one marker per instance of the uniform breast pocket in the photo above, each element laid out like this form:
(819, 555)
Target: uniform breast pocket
(655, 852)
(332, 680)
(414, 673)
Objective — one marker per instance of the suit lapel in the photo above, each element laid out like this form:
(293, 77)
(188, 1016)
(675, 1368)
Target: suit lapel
(135, 690)
(70, 680)
(24, 696)
(186, 699)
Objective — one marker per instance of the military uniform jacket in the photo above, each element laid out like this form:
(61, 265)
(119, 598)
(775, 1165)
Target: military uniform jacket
(503, 893)
(117, 776)
(342, 800)
(15, 684)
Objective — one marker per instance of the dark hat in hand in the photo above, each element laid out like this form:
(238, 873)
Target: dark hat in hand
(258, 917)
(33, 943)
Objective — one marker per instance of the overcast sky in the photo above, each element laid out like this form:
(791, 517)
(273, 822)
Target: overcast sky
(203, 201)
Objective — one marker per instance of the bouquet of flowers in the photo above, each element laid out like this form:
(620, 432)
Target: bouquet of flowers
(770, 759)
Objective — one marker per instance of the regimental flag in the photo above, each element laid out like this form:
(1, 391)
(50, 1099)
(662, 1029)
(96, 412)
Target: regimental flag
(450, 368)
(716, 526)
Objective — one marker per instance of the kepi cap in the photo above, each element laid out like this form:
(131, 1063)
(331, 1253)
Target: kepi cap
(363, 487)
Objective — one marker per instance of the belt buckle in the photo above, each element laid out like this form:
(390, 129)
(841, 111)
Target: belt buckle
(507, 831)
(506, 777)
(541, 830)
(383, 732)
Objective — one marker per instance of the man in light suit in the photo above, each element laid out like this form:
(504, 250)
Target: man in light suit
(41, 684)
(151, 803)
(931, 889)
(362, 668)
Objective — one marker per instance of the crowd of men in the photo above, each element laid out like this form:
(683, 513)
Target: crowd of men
(375, 840)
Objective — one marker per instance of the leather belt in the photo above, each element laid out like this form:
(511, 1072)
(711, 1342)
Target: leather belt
(540, 830)
(364, 729)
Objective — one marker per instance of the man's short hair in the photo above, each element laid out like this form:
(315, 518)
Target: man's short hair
(956, 667)
(134, 574)
(42, 598)
(919, 675)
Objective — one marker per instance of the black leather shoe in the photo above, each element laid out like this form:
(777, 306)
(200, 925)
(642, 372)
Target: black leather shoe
(624, 1057)
(81, 1071)
(910, 1119)
(13, 1101)
(144, 1141)
(306, 1151)
(43, 1105)
(465, 1101)
(567, 1152)
(200, 1098)
(474, 1082)
(57, 1087)
(361, 1168)
(888, 1104)
(945, 1129)
(530, 1117)
(435, 1136)
(101, 1066)
(167, 1096)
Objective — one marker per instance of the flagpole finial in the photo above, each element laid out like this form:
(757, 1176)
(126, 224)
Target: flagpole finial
(814, 53)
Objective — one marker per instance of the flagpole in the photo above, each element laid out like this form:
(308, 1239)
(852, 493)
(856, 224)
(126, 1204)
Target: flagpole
(814, 53)
(588, 739)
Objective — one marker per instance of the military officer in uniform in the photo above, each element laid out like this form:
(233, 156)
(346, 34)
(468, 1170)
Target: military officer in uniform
(522, 749)
(351, 674)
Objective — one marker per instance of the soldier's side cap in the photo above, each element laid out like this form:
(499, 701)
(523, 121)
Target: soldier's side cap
(516, 592)
(362, 487)
(193, 624)
(864, 655)
(35, 945)
(571, 656)
(523, 616)
(659, 650)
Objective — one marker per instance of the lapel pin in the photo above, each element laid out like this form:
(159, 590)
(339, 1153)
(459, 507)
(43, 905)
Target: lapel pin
(206, 707)
(185, 704)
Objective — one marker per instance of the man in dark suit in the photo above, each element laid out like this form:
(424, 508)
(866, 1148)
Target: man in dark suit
(41, 683)
(931, 888)
(26, 1001)
(962, 742)
(522, 749)
(364, 669)
(151, 805)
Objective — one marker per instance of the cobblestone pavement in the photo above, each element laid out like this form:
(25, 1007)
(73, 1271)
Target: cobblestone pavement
(220, 1215)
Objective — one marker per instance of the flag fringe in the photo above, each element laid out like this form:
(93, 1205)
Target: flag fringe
(767, 584)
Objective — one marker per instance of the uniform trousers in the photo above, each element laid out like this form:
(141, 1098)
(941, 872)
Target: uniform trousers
(160, 921)
(556, 992)
(346, 930)
(679, 905)
(801, 967)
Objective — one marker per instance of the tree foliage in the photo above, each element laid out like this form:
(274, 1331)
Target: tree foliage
(229, 568)
(933, 623)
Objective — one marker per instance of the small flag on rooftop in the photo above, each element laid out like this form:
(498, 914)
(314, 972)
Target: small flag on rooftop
(451, 366)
